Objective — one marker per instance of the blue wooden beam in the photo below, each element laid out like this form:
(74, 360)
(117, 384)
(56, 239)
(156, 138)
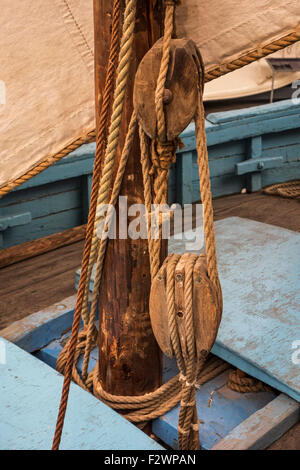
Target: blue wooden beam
(35, 331)
(77, 163)
(8, 221)
(184, 178)
(264, 427)
(15, 220)
(228, 409)
(261, 163)
(30, 394)
(87, 181)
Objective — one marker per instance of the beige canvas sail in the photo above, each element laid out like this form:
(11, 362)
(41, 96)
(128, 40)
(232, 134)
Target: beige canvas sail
(46, 72)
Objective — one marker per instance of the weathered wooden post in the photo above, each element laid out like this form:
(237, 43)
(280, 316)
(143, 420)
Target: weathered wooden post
(129, 357)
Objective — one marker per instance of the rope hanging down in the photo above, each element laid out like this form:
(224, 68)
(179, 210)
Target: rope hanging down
(100, 149)
(193, 369)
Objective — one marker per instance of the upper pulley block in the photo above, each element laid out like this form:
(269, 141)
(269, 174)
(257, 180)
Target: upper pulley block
(185, 76)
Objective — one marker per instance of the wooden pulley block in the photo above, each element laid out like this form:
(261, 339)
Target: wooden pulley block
(206, 310)
(185, 76)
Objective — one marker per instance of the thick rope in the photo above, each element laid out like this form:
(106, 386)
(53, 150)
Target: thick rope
(155, 169)
(101, 136)
(164, 65)
(242, 383)
(252, 56)
(162, 151)
(113, 138)
(143, 408)
(206, 197)
(188, 363)
(89, 336)
(212, 74)
(290, 190)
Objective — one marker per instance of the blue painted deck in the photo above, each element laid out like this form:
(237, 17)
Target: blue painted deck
(260, 276)
(29, 399)
(228, 410)
(263, 427)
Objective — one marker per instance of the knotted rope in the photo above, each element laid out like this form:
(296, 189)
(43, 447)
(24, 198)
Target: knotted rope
(164, 65)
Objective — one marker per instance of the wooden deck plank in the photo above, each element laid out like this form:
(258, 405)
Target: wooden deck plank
(228, 409)
(38, 329)
(263, 427)
(272, 210)
(259, 273)
(36, 283)
(29, 402)
(40, 246)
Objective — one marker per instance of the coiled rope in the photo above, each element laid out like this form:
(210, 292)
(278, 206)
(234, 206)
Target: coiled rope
(240, 382)
(290, 189)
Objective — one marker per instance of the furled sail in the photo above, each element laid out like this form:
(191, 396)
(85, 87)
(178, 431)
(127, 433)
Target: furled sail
(255, 78)
(46, 73)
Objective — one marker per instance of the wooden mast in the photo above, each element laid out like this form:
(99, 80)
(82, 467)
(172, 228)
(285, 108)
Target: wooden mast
(129, 358)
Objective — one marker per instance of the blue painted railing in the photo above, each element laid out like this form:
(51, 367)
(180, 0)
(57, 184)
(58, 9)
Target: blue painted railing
(248, 148)
(55, 200)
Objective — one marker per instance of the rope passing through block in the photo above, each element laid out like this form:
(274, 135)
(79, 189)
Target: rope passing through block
(163, 154)
(185, 316)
